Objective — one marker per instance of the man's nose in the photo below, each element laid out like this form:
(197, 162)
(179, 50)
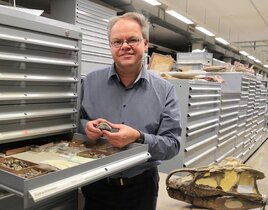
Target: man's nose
(125, 42)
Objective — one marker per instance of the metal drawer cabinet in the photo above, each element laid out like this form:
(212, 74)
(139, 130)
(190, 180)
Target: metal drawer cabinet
(68, 201)
(252, 114)
(194, 61)
(92, 18)
(242, 117)
(40, 76)
(231, 120)
(261, 120)
(245, 128)
(257, 134)
(228, 125)
(200, 108)
(265, 89)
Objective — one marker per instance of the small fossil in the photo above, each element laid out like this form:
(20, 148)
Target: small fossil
(93, 154)
(14, 164)
(104, 126)
(31, 173)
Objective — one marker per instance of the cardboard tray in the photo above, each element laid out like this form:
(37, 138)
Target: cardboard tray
(32, 172)
(26, 164)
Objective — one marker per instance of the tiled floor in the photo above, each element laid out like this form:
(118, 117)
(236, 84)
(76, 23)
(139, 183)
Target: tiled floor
(259, 160)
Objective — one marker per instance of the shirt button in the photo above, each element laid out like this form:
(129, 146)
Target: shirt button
(124, 106)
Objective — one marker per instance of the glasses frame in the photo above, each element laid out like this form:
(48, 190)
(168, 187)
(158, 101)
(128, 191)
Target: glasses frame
(139, 40)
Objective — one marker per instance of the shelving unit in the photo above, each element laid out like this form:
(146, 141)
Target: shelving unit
(39, 79)
(228, 125)
(200, 111)
(248, 127)
(92, 18)
(219, 120)
(194, 61)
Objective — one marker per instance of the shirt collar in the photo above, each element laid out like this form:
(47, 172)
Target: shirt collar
(143, 74)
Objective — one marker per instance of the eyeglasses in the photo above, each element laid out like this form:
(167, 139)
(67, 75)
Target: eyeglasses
(131, 42)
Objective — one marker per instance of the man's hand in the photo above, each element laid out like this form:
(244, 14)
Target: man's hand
(91, 131)
(124, 136)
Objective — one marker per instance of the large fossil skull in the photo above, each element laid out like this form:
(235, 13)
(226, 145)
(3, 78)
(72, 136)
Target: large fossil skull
(228, 185)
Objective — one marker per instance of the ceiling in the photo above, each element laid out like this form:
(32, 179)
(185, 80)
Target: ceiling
(244, 23)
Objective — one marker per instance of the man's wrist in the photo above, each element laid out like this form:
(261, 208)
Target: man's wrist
(141, 138)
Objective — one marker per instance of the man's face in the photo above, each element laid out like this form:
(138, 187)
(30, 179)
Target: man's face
(131, 52)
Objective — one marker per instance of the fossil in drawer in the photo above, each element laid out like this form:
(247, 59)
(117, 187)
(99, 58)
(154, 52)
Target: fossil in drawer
(32, 172)
(94, 154)
(22, 168)
(14, 164)
(223, 186)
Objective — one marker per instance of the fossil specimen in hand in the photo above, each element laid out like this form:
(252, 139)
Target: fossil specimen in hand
(228, 185)
(104, 126)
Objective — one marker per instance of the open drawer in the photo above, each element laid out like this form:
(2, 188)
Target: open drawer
(40, 188)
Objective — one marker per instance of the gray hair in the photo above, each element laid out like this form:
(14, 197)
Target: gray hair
(139, 18)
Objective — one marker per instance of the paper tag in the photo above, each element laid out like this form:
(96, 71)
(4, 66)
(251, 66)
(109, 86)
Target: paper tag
(245, 189)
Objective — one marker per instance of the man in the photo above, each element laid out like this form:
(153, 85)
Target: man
(141, 106)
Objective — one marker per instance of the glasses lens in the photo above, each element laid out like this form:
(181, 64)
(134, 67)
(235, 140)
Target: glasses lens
(117, 43)
(131, 42)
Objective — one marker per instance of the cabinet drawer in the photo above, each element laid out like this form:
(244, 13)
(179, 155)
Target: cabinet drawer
(41, 188)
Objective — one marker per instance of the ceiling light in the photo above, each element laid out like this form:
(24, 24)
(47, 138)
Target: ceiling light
(243, 53)
(266, 66)
(251, 57)
(234, 47)
(221, 40)
(205, 31)
(153, 2)
(179, 16)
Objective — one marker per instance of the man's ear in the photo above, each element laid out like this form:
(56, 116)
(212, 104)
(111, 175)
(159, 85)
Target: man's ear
(146, 44)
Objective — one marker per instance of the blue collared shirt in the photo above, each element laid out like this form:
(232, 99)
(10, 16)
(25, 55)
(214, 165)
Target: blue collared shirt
(149, 105)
